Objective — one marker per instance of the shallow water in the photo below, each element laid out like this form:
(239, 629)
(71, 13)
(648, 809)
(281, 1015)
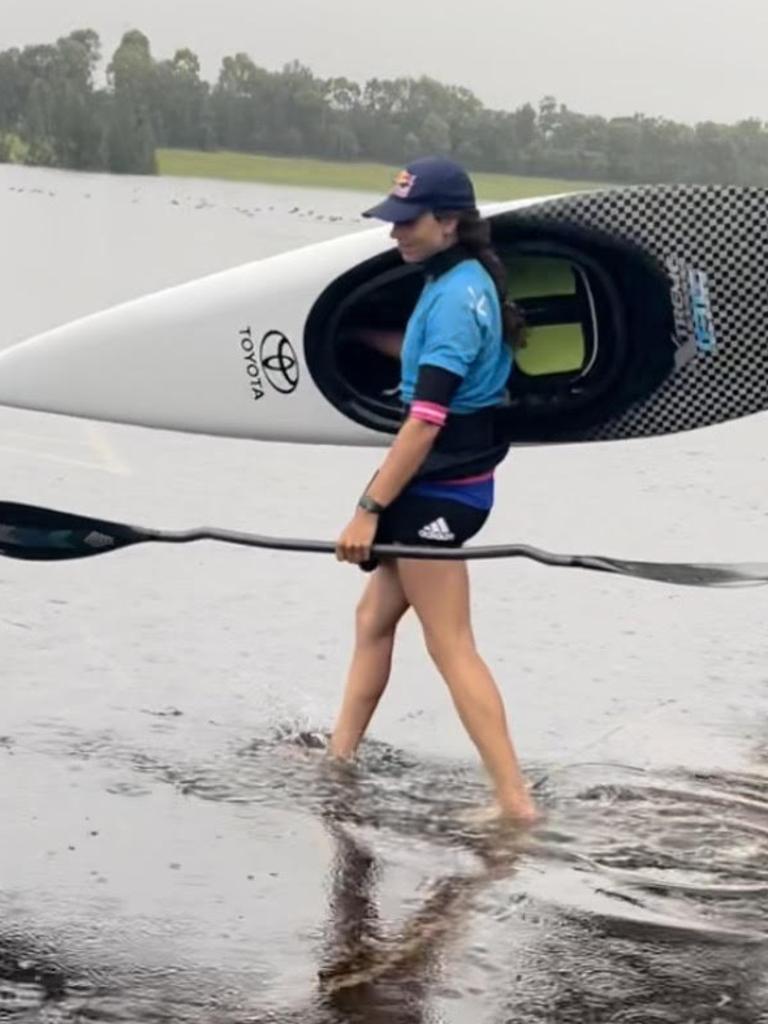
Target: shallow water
(174, 846)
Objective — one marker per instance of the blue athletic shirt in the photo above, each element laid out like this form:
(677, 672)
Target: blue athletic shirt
(456, 325)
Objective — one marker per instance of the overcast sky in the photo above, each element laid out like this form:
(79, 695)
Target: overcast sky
(685, 59)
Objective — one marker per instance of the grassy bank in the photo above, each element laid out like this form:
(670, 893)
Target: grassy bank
(326, 174)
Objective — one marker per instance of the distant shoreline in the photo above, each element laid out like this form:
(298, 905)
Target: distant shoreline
(354, 177)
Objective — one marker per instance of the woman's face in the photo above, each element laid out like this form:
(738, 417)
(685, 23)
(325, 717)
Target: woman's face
(419, 239)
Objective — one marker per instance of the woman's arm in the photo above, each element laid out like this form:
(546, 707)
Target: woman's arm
(411, 446)
(388, 342)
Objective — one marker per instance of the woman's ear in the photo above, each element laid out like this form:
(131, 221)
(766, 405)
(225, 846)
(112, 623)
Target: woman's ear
(450, 227)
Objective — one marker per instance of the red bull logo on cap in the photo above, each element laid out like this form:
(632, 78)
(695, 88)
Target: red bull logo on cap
(404, 182)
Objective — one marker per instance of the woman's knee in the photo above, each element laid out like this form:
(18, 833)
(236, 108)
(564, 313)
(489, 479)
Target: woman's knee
(374, 622)
(446, 646)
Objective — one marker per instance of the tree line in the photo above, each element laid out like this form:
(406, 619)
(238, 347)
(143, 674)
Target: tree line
(53, 112)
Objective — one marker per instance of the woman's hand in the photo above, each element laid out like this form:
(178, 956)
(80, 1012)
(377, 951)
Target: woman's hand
(354, 544)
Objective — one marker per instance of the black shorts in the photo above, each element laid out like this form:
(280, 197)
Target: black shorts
(427, 522)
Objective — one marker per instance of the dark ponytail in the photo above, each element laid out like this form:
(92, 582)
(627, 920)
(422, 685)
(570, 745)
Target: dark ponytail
(474, 236)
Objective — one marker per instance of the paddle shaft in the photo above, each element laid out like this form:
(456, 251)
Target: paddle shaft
(255, 540)
(682, 574)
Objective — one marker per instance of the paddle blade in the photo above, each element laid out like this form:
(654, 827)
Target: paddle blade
(45, 535)
(691, 574)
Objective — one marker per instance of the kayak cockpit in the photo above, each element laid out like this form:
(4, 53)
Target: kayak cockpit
(593, 313)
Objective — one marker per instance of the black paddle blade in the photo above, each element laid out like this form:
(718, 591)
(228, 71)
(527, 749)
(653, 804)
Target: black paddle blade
(684, 574)
(44, 535)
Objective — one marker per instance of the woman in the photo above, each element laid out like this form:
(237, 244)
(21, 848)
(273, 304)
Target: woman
(435, 487)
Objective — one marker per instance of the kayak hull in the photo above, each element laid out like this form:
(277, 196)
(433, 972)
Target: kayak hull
(646, 306)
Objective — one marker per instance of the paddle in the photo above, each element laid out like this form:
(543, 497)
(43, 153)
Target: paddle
(45, 535)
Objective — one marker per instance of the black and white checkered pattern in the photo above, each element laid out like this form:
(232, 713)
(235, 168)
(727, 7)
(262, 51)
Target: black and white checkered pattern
(723, 231)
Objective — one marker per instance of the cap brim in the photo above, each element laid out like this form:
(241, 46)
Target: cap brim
(396, 211)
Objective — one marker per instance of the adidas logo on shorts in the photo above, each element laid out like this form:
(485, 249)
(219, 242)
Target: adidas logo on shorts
(437, 530)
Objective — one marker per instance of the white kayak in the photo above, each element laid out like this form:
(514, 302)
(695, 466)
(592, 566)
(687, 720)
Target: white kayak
(646, 307)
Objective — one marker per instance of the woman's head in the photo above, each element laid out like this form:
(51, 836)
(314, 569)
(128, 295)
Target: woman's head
(432, 207)
(421, 192)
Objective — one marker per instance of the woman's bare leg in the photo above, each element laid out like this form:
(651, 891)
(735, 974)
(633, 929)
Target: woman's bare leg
(380, 609)
(439, 594)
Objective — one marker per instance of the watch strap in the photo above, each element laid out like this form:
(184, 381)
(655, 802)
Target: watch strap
(369, 504)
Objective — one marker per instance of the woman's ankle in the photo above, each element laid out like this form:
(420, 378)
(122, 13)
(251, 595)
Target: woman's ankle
(518, 805)
(341, 750)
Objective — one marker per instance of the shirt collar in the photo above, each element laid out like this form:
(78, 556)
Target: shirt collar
(444, 261)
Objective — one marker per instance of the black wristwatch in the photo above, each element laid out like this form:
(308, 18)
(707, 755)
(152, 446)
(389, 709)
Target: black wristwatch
(368, 503)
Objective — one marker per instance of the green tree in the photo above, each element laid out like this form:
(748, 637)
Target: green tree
(342, 95)
(12, 92)
(76, 107)
(240, 103)
(134, 115)
(299, 110)
(184, 103)
(436, 134)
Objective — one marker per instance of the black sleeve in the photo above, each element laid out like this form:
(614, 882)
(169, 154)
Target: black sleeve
(434, 384)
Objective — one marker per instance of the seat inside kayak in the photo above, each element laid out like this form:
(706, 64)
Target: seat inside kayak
(556, 302)
(576, 344)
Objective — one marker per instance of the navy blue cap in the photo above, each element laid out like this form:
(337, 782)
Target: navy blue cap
(430, 184)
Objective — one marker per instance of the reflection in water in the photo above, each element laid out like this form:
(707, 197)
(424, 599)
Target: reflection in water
(370, 974)
(643, 898)
(367, 974)
(627, 963)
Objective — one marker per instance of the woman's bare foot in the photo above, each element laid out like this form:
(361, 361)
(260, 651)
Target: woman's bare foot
(340, 761)
(523, 813)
